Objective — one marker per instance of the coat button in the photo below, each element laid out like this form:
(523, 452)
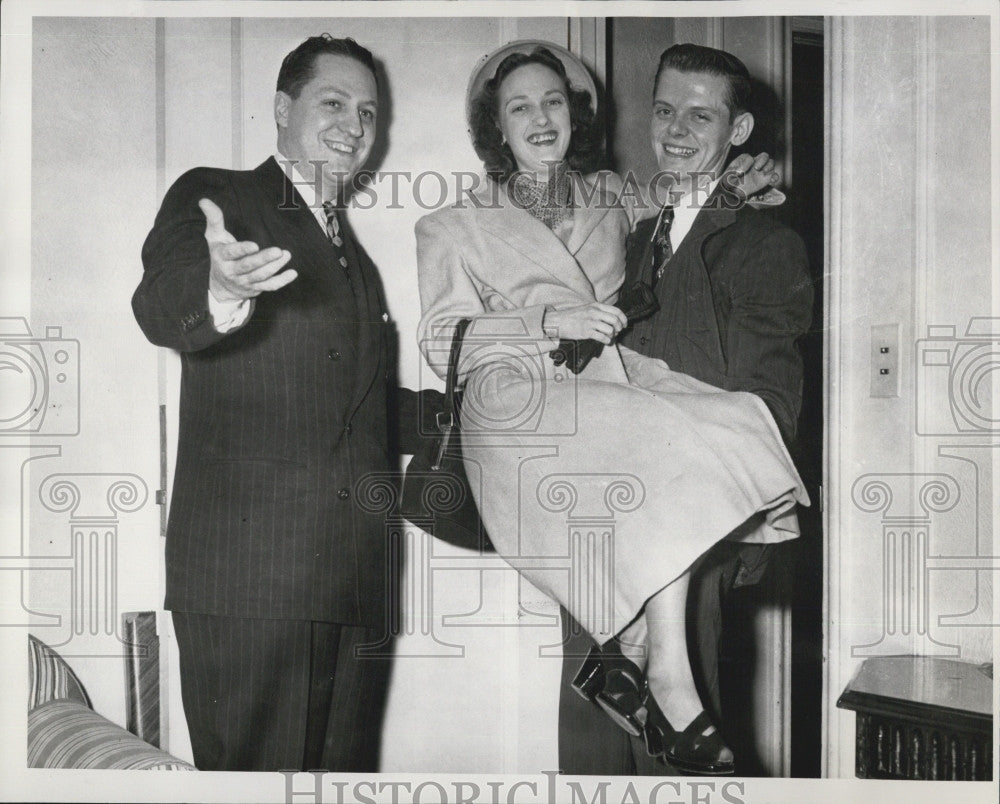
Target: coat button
(347, 429)
(643, 340)
(343, 494)
(333, 354)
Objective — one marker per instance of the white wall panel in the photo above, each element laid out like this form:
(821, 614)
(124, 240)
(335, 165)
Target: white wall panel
(94, 194)
(910, 486)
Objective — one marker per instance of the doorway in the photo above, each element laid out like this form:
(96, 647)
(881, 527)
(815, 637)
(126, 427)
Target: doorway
(789, 106)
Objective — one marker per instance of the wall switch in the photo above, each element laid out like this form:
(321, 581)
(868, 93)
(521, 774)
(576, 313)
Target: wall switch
(885, 360)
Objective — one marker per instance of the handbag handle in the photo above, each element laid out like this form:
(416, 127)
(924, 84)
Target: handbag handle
(446, 418)
(452, 378)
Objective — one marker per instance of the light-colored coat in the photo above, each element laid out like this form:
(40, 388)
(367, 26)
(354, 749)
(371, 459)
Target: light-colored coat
(600, 488)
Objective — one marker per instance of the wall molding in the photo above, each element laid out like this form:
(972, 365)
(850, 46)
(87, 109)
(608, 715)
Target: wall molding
(924, 181)
(716, 33)
(588, 40)
(236, 82)
(838, 73)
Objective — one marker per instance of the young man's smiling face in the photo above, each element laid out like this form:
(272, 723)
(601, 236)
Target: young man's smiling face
(692, 128)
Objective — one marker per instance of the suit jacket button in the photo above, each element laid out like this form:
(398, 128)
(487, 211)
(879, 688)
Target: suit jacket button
(333, 354)
(347, 429)
(643, 340)
(343, 494)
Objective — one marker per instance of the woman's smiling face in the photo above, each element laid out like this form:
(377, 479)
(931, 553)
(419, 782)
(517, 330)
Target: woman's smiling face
(533, 115)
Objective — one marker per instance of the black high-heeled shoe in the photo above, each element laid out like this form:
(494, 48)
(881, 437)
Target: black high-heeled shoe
(698, 750)
(614, 683)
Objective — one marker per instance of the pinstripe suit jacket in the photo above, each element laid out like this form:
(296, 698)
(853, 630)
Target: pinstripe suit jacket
(278, 419)
(734, 300)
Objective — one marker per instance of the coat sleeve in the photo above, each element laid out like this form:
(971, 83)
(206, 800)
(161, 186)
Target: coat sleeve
(171, 301)
(448, 293)
(772, 308)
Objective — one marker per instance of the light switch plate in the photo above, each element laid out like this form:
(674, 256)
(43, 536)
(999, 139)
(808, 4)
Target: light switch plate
(885, 360)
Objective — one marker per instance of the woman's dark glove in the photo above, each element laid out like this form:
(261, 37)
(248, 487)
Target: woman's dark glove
(637, 302)
(576, 354)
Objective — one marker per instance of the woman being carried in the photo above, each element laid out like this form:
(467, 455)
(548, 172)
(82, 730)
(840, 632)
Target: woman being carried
(662, 465)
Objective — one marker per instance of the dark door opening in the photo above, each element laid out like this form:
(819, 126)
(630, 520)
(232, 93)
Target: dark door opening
(795, 574)
(806, 218)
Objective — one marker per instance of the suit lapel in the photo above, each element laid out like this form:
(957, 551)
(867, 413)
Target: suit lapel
(685, 290)
(688, 276)
(715, 215)
(312, 252)
(356, 299)
(312, 249)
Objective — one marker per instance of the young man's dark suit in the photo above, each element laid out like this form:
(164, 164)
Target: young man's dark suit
(271, 567)
(734, 300)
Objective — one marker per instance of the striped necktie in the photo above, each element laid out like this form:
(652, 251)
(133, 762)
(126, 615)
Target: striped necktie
(333, 232)
(662, 250)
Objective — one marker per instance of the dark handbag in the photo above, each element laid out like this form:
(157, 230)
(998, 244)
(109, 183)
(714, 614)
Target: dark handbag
(437, 496)
(637, 302)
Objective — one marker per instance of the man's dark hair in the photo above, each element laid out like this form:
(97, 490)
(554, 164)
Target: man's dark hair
(298, 67)
(585, 153)
(689, 58)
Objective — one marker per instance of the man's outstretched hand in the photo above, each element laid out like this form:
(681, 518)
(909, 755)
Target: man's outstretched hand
(240, 270)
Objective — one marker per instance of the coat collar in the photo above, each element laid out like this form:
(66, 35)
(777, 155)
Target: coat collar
(496, 214)
(718, 212)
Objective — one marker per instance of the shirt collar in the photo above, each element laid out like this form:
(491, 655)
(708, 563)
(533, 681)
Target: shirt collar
(306, 189)
(686, 209)
(694, 201)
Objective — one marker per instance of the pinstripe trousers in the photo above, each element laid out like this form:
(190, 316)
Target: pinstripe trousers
(268, 695)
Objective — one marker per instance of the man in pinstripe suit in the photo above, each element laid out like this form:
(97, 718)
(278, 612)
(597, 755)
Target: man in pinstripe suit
(735, 296)
(273, 575)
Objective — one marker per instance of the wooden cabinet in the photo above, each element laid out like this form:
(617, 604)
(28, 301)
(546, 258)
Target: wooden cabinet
(922, 718)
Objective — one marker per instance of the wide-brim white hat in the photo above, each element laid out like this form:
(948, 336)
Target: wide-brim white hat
(579, 76)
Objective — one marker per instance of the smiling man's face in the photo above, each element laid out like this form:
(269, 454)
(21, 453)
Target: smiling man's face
(692, 128)
(333, 120)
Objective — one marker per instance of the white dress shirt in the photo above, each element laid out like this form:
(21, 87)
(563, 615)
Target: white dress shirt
(686, 209)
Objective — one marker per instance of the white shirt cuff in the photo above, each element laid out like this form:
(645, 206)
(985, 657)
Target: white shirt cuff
(228, 315)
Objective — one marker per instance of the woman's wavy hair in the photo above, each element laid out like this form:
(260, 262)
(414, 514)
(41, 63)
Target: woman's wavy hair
(585, 153)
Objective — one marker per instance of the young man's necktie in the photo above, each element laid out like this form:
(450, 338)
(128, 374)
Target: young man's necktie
(662, 250)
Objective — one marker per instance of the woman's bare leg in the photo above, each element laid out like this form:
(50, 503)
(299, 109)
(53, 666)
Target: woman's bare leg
(668, 672)
(632, 641)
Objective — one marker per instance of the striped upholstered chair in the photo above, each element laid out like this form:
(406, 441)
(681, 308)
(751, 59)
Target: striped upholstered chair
(65, 732)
